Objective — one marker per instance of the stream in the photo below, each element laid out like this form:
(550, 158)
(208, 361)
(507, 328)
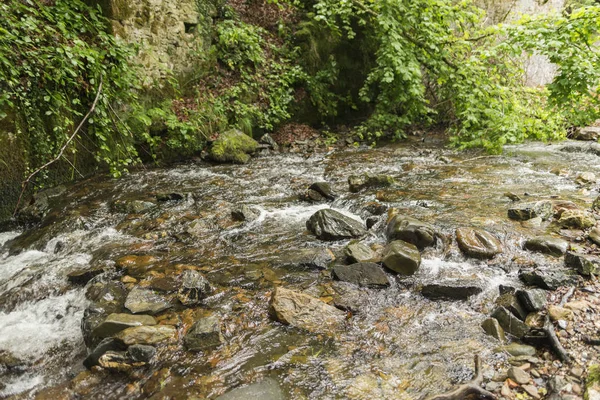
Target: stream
(395, 343)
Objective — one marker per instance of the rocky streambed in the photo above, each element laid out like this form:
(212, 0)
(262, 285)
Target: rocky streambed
(354, 273)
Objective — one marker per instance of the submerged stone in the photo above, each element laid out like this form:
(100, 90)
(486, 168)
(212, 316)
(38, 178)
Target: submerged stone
(306, 312)
(108, 344)
(132, 206)
(529, 210)
(141, 352)
(245, 213)
(411, 230)
(267, 389)
(146, 301)
(452, 290)
(547, 245)
(329, 224)
(313, 258)
(401, 257)
(324, 189)
(362, 274)
(194, 288)
(478, 243)
(204, 334)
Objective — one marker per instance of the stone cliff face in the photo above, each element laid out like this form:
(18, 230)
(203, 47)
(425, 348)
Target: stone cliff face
(170, 35)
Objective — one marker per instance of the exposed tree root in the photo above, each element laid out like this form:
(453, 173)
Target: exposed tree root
(547, 336)
(468, 391)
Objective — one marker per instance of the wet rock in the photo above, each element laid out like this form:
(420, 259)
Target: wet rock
(117, 361)
(453, 290)
(141, 352)
(360, 253)
(323, 189)
(132, 206)
(10, 362)
(578, 219)
(372, 221)
(547, 245)
(518, 375)
(560, 206)
(401, 257)
(594, 235)
(146, 301)
(268, 140)
(194, 288)
(137, 266)
(267, 389)
(305, 312)
(147, 334)
(478, 243)
(492, 327)
(329, 224)
(105, 298)
(108, 344)
(546, 279)
(83, 276)
(367, 181)
(362, 274)
(590, 133)
(375, 208)
(510, 302)
(245, 213)
(584, 264)
(411, 230)
(232, 146)
(313, 196)
(585, 178)
(558, 313)
(315, 258)
(115, 323)
(346, 296)
(164, 197)
(529, 210)
(518, 350)
(204, 334)
(532, 300)
(510, 323)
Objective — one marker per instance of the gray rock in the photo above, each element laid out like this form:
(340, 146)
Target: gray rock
(492, 327)
(268, 140)
(329, 224)
(529, 210)
(401, 257)
(532, 300)
(267, 389)
(359, 252)
(313, 196)
(510, 323)
(306, 312)
(108, 344)
(547, 245)
(594, 235)
(510, 302)
(245, 213)
(146, 301)
(411, 230)
(204, 334)
(117, 361)
(518, 375)
(478, 243)
(362, 274)
(577, 219)
(452, 290)
(590, 133)
(367, 181)
(115, 323)
(194, 288)
(518, 350)
(312, 258)
(141, 352)
(585, 178)
(546, 279)
(147, 334)
(83, 276)
(323, 189)
(585, 264)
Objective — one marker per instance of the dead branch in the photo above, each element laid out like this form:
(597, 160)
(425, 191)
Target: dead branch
(468, 391)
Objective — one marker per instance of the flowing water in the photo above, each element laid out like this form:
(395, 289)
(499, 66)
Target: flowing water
(395, 344)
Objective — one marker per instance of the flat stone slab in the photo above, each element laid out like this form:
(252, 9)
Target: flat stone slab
(141, 300)
(456, 290)
(362, 274)
(547, 245)
(147, 334)
(115, 323)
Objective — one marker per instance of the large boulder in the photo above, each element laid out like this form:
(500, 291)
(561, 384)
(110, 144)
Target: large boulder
(232, 146)
(306, 312)
(330, 224)
(547, 245)
(411, 230)
(529, 210)
(451, 290)
(401, 257)
(478, 243)
(362, 274)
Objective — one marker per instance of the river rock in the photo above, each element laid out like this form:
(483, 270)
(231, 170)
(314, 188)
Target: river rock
(590, 133)
(306, 312)
(137, 266)
(532, 300)
(594, 235)
(329, 224)
(204, 334)
(546, 279)
(312, 196)
(358, 252)
(346, 296)
(547, 245)
(118, 361)
(578, 219)
(401, 257)
(360, 182)
(245, 213)
(83, 276)
(411, 230)
(108, 344)
(362, 274)
(509, 301)
(267, 389)
(529, 210)
(518, 350)
(165, 197)
(194, 288)
(324, 189)
(146, 301)
(478, 243)
(132, 206)
(312, 258)
(585, 264)
(141, 352)
(147, 334)
(492, 327)
(232, 146)
(510, 323)
(518, 375)
(269, 141)
(115, 323)
(585, 178)
(452, 290)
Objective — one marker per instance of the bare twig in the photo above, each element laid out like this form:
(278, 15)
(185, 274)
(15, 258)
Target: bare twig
(62, 149)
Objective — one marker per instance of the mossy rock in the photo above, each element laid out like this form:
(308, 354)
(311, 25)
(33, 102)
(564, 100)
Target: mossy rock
(233, 146)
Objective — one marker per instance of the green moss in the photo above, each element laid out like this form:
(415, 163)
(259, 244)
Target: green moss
(593, 379)
(233, 146)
